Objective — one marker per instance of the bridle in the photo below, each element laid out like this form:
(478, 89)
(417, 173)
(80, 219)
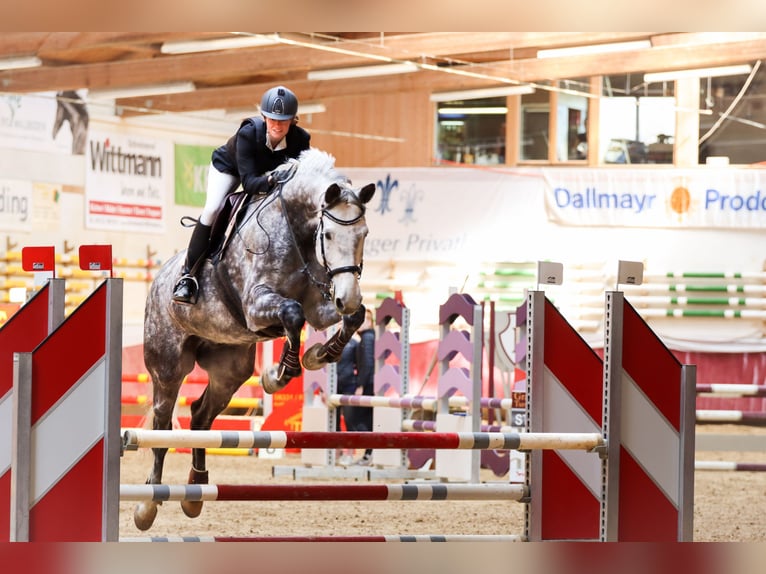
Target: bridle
(355, 269)
(325, 287)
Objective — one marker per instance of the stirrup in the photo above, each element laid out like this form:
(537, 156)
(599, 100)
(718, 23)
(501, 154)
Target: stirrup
(186, 290)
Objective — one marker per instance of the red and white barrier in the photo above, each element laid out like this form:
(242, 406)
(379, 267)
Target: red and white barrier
(564, 394)
(23, 332)
(66, 412)
(650, 432)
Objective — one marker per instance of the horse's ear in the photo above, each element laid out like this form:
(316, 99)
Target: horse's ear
(366, 193)
(332, 194)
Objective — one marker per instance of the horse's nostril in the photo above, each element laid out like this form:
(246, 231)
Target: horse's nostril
(339, 304)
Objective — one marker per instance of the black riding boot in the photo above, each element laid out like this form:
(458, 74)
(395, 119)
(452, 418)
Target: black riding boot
(187, 288)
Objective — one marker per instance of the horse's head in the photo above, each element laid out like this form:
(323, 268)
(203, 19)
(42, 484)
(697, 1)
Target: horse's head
(339, 242)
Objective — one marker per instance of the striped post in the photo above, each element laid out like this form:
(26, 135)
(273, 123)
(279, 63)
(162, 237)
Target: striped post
(729, 465)
(66, 454)
(134, 439)
(392, 373)
(463, 466)
(361, 538)
(21, 333)
(564, 394)
(730, 416)
(732, 390)
(335, 492)
(649, 422)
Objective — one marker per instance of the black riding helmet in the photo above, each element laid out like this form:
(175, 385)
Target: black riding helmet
(279, 103)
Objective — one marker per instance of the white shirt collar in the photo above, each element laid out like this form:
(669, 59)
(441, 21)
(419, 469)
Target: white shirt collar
(281, 145)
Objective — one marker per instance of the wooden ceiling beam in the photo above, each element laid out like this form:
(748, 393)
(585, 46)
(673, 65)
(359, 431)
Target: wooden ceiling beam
(255, 61)
(531, 70)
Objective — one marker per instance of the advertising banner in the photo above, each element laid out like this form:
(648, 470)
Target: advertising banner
(704, 198)
(191, 166)
(126, 178)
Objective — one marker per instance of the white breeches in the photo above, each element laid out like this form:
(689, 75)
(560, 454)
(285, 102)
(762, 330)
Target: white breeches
(218, 187)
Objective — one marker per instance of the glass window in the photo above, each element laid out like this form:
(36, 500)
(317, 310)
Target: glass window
(471, 131)
(571, 118)
(637, 120)
(535, 111)
(733, 117)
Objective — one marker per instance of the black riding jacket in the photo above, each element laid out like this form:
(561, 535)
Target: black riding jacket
(246, 156)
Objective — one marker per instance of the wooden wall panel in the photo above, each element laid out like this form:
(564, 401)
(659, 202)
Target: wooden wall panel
(402, 123)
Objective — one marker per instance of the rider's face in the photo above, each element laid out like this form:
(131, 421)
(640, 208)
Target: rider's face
(277, 129)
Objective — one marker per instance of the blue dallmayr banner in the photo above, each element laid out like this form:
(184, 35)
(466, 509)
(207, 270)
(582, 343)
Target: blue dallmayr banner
(704, 197)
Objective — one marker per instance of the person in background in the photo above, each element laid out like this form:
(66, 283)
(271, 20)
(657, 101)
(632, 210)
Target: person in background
(356, 368)
(347, 384)
(249, 157)
(365, 378)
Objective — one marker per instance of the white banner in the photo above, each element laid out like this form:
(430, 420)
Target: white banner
(436, 214)
(126, 182)
(15, 205)
(705, 197)
(32, 122)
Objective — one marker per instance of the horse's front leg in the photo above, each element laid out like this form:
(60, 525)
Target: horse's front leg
(277, 376)
(320, 354)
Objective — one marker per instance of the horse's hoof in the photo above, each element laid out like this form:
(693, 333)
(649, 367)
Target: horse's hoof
(270, 381)
(311, 359)
(144, 515)
(192, 509)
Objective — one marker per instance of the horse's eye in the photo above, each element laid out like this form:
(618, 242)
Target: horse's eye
(328, 235)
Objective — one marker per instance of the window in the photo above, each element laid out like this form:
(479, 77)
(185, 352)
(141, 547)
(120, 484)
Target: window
(571, 120)
(471, 131)
(637, 121)
(535, 131)
(733, 117)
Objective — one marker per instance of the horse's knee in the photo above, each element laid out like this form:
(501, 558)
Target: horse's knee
(292, 317)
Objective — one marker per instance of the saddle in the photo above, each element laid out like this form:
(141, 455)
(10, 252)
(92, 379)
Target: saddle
(226, 223)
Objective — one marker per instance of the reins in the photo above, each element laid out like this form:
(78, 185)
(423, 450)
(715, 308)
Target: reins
(325, 287)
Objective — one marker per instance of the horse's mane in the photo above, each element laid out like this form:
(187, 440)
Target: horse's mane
(316, 170)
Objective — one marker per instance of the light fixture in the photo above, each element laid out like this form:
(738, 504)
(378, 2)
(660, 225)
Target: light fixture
(481, 93)
(232, 43)
(497, 110)
(698, 73)
(20, 62)
(594, 49)
(138, 91)
(362, 71)
(311, 108)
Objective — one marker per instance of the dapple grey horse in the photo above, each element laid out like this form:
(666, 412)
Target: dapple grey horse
(295, 256)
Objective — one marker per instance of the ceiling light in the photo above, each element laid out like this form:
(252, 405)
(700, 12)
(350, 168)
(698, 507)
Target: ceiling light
(481, 93)
(362, 71)
(218, 44)
(474, 111)
(698, 73)
(20, 62)
(138, 91)
(593, 49)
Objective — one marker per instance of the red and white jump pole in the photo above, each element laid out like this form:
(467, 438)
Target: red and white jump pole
(66, 417)
(23, 332)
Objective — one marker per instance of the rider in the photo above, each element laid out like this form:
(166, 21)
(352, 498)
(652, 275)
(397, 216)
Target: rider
(249, 157)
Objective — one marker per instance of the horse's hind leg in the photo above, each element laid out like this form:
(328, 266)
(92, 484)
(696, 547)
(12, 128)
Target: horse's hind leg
(167, 362)
(163, 403)
(319, 354)
(227, 369)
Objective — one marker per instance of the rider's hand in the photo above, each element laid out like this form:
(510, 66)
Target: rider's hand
(277, 176)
